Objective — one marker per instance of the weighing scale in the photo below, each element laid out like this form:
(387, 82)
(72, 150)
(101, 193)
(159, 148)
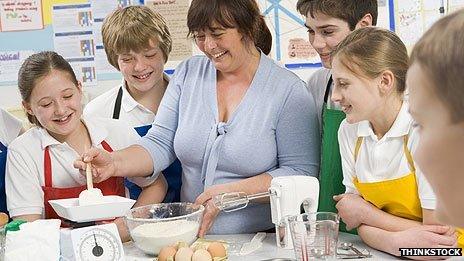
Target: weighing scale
(87, 241)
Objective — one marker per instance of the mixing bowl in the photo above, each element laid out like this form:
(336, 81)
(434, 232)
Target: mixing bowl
(154, 226)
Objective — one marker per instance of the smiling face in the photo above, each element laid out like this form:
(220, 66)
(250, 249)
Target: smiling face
(440, 150)
(142, 70)
(56, 103)
(325, 33)
(225, 47)
(359, 97)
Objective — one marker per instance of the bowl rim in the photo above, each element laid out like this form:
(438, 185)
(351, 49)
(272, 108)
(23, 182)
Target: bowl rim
(200, 209)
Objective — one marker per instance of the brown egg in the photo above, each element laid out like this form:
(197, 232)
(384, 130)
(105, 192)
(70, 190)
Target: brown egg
(3, 218)
(184, 254)
(201, 255)
(216, 249)
(167, 252)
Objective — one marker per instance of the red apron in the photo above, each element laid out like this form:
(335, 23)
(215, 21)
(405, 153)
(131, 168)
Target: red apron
(111, 186)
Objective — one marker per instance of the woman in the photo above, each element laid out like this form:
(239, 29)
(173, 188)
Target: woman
(234, 119)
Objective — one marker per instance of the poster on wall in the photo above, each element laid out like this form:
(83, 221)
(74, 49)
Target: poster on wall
(74, 39)
(20, 15)
(175, 13)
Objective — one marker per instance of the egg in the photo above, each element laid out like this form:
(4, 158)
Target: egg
(167, 253)
(184, 254)
(201, 255)
(3, 219)
(217, 249)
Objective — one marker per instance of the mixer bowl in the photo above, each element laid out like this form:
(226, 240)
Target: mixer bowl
(155, 226)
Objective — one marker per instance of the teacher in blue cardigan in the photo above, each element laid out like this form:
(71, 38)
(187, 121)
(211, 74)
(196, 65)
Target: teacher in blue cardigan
(233, 117)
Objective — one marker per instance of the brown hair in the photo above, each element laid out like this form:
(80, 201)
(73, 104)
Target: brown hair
(131, 28)
(37, 66)
(371, 50)
(440, 53)
(351, 11)
(241, 14)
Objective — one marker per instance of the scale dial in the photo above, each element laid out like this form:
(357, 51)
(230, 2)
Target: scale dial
(99, 244)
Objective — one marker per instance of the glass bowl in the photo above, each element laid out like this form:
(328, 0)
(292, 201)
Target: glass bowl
(155, 226)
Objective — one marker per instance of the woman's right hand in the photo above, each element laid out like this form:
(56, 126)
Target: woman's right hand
(103, 166)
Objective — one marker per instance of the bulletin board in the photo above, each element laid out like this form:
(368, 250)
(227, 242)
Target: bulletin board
(73, 29)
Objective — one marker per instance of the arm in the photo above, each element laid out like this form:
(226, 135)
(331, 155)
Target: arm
(153, 193)
(431, 236)
(22, 186)
(354, 211)
(151, 154)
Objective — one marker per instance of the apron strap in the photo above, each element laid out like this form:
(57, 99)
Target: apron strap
(359, 141)
(117, 105)
(407, 153)
(47, 168)
(327, 89)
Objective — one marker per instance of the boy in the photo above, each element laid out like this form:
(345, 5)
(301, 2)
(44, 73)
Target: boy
(328, 23)
(137, 43)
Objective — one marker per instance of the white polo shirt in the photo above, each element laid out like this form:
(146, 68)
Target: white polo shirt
(132, 112)
(384, 159)
(9, 127)
(25, 163)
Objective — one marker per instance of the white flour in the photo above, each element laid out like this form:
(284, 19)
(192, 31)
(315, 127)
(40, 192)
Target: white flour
(152, 237)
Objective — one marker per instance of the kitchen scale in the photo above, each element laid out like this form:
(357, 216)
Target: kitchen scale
(100, 242)
(87, 241)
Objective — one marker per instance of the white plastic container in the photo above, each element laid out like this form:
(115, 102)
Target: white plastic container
(111, 207)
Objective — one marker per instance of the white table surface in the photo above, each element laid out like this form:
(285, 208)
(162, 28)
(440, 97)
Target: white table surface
(269, 249)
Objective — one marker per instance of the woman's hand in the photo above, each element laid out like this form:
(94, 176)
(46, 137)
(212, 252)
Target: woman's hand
(351, 208)
(103, 166)
(211, 211)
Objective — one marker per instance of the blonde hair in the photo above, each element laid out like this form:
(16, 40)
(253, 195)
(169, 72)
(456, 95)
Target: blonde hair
(131, 28)
(440, 53)
(370, 51)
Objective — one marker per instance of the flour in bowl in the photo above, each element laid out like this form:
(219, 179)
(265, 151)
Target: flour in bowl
(151, 237)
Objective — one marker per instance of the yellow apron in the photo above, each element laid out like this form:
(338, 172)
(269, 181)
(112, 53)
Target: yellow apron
(399, 196)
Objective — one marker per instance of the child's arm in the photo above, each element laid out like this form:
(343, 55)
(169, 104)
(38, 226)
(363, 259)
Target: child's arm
(354, 211)
(429, 236)
(153, 193)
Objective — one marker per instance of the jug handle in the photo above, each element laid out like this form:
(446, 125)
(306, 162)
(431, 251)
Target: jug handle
(283, 230)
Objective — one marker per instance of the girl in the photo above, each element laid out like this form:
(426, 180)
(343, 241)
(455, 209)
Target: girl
(385, 192)
(10, 129)
(40, 162)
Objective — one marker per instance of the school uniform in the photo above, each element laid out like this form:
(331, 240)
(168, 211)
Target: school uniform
(383, 171)
(40, 168)
(9, 130)
(117, 103)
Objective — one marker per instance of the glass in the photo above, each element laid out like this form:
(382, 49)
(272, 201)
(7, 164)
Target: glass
(2, 242)
(314, 235)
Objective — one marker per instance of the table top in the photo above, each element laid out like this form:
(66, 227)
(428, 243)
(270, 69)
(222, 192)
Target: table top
(269, 250)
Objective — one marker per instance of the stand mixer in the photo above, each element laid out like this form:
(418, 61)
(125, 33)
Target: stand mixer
(289, 195)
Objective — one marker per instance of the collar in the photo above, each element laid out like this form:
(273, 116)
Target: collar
(128, 102)
(400, 127)
(96, 132)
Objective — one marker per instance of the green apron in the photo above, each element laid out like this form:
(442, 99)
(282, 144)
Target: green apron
(331, 175)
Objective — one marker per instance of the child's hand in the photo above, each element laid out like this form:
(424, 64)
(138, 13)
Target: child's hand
(351, 208)
(102, 164)
(425, 236)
